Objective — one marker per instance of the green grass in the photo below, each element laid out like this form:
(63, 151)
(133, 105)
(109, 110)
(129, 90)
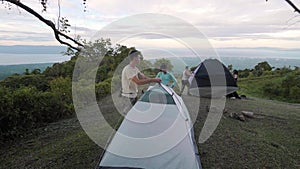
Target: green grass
(270, 140)
(60, 145)
(253, 86)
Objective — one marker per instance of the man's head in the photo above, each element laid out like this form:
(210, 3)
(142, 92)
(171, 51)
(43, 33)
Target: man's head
(134, 56)
(186, 67)
(235, 72)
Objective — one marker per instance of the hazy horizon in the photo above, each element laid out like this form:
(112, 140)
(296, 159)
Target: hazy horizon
(240, 58)
(259, 52)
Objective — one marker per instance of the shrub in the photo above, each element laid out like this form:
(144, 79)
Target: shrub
(26, 108)
(244, 73)
(40, 82)
(294, 94)
(103, 88)
(272, 89)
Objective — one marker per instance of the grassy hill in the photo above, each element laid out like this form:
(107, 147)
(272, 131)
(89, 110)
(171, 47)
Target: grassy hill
(275, 87)
(270, 140)
(32, 104)
(253, 86)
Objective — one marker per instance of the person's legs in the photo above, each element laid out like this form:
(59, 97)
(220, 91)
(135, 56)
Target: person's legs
(188, 88)
(126, 104)
(133, 101)
(182, 86)
(235, 94)
(229, 95)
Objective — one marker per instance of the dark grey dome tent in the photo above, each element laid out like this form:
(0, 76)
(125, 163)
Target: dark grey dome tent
(212, 79)
(157, 133)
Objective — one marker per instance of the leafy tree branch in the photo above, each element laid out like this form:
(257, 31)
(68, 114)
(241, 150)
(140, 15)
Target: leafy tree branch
(58, 34)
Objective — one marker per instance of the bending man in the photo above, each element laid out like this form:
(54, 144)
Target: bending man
(132, 77)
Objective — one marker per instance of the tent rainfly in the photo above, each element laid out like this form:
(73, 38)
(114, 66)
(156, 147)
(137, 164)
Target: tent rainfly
(212, 79)
(157, 133)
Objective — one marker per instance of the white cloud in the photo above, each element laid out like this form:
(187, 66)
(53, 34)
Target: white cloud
(232, 23)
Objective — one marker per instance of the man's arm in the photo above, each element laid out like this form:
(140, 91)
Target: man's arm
(188, 73)
(145, 80)
(142, 76)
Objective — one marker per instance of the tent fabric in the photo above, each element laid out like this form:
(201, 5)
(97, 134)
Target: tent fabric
(212, 79)
(154, 126)
(118, 168)
(156, 95)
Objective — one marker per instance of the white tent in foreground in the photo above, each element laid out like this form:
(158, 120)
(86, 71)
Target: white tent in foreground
(157, 133)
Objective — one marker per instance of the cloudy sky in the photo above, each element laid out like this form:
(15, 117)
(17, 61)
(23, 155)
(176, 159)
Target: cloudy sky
(227, 24)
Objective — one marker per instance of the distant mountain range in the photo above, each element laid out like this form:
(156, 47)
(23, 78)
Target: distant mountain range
(28, 49)
(27, 56)
(237, 63)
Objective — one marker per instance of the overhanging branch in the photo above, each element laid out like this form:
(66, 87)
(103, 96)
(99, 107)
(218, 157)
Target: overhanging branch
(293, 5)
(57, 33)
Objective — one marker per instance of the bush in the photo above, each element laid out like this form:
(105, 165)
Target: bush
(40, 82)
(295, 94)
(52, 107)
(244, 73)
(103, 88)
(18, 111)
(272, 89)
(261, 67)
(62, 87)
(26, 108)
(290, 80)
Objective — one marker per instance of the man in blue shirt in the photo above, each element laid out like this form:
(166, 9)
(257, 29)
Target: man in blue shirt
(166, 77)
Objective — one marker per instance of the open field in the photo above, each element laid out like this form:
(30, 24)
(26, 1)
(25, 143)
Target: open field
(270, 140)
